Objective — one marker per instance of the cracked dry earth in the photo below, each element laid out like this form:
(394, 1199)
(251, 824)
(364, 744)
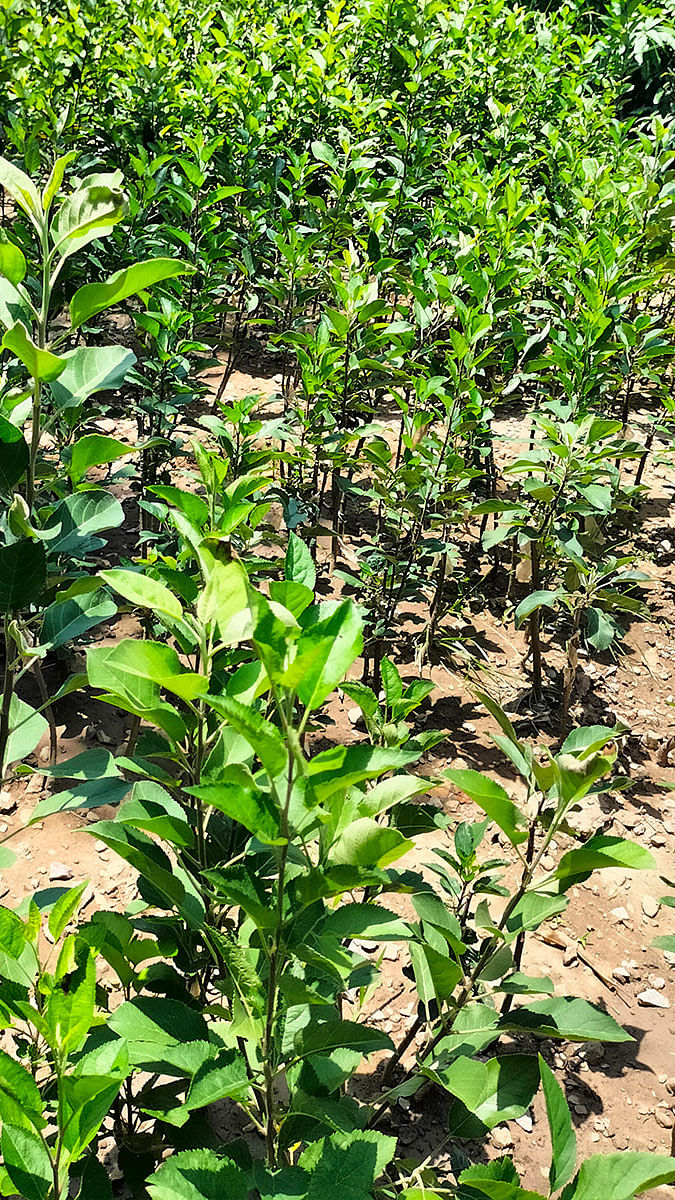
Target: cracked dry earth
(620, 1096)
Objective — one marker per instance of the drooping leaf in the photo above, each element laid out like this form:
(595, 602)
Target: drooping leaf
(566, 1017)
(563, 1137)
(494, 801)
(93, 298)
(488, 1093)
(40, 364)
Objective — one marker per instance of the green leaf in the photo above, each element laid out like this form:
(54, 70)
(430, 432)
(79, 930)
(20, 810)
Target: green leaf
(27, 1162)
(26, 726)
(76, 518)
(334, 1035)
(13, 307)
(20, 1100)
(23, 574)
(95, 1184)
(151, 1025)
(56, 178)
(95, 450)
(488, 1093)
(324, 652)
(565, 1017)
(365, 843)
(254, 810)
(370, 921)
(70, 1005)
(12, 260)
(299, 567)
(90, 212)
(225, 601)
(262, 736)
(88, 370)
(620, 1176)
(601, 629)
(65, 620)
(153, 810)
(136, 670)
(537, 600)
(93, 298)
(494, 801)
(66, 905)
(603, 851)
(436, 975)
(347, 1164)
(198, 1175)
(563, 1137)
(40, 364)
(23, 191)
(143, 591)
(340, 767)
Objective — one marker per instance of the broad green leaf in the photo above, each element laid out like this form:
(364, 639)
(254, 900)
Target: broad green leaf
(26, 727)
(494, 801)
(299, 567)
(20, 1100)
(370, 921)
(90, 212)
(601, 628)
(65, 620)
(347, 1164)
(225, 602)
(13, 308)
(341, 767)
(365, 843)
(563, 1137)
(620, 1176)
(436, 975)
(88, 370)
(56, 178)
(333, 1035)
(150, 1024)
(198, 1175)
(263, 737)
(22, 190)
(324, 653)
(253, 809)
(27, 1162)
(74, 521)
(488, 1093)
(93, 298)
(153, 810)
(541, 599)
(66, 905)
(565, 1017)
(603, 851)
(12, 260)
(95, 1184)
(70, 1006)
(40, 364)
(138, 669)
(94, 450)
(389, 792)
(143, 591)
(590, 739)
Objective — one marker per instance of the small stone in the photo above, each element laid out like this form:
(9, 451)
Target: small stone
(650, 998)
(670, 1085)
(59, 871)
(7, 801)
(547, 862)
(656, 981)
(665, 1118)
(525, 1122)
(650, 740)
(502, 1138)
(650, 906)
(355, 716)
(621, 915)
(391, 952)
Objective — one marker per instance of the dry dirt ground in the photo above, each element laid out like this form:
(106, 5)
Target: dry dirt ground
(621, 1097)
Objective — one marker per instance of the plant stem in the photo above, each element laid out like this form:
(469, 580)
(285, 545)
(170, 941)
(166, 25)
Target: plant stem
(7, 692)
